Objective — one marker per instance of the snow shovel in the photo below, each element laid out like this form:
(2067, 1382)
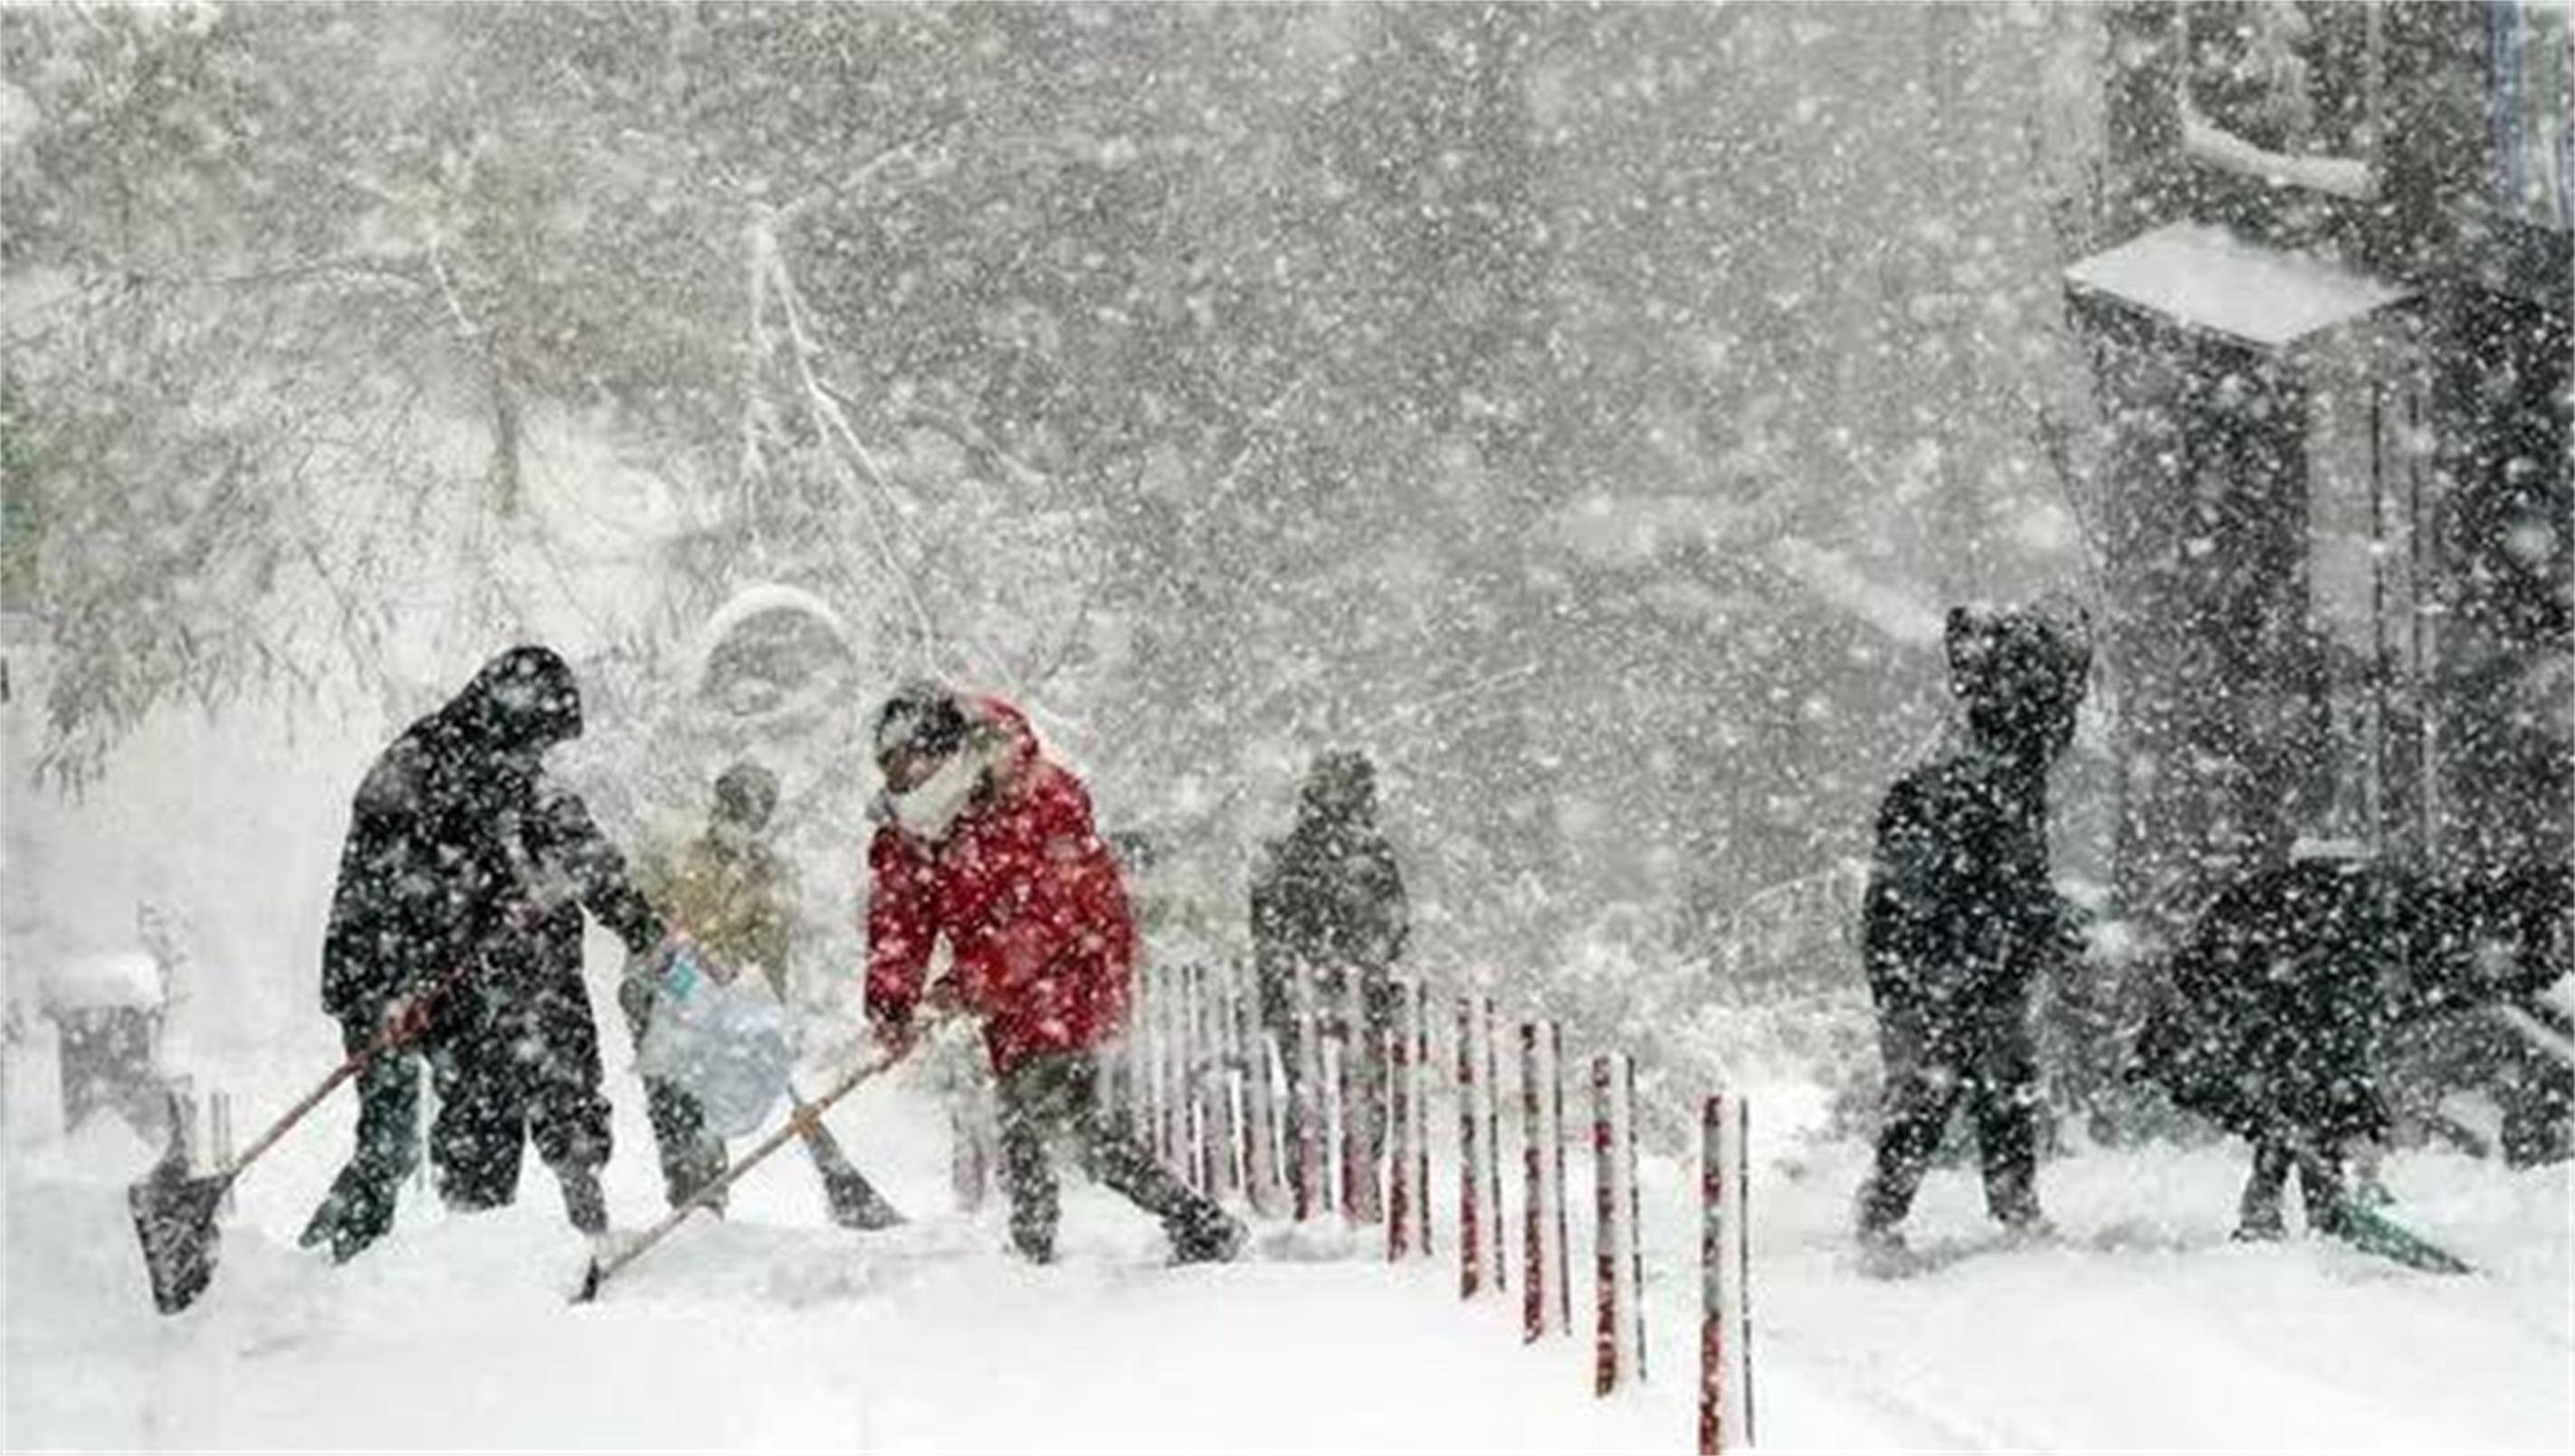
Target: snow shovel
(805, 1119)
(2370, 1231)
(853, 1201)
(174, 1210)
(688, 983)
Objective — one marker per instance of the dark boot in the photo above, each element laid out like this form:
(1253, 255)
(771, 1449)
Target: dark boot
(1919, 1097)
(358, 1211)
(1206, 1235)
(2320, 1188)
(692, 1157)
(360, 1207)
(2258, 1214)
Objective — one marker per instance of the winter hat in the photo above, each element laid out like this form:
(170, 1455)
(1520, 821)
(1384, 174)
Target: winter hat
(2022, 674)
(523, 699)
(1341, 782)
(920, 718)
(745, 795)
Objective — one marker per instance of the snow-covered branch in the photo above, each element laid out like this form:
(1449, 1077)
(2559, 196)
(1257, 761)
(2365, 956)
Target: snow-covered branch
(2205, 141)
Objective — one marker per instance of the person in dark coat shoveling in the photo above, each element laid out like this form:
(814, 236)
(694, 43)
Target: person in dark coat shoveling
(455, 923)
(2282, 1000)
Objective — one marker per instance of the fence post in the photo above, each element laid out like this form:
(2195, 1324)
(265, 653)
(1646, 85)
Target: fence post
(1742, 1166)
(1260, 1109)
(1226, 1047)
(1362, 1086)
(1635, 1224)
(1305, 1106)
(1713, 1343)
(1156, 1044)
(1276, 1149)
(1470, 1218)
(1605, 1340)
(1725, 1290)
(1400, 1132)
(1533, 1193)
(1618, 1355)
(1420, 1017)
(1206, 1072)
(1556, 1139)
(1494, 1147)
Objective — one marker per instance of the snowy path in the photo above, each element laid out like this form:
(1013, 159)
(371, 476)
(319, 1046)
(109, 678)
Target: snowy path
(2140, 1327)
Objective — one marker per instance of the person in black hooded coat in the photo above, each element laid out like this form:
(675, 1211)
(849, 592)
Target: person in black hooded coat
(452, 924)
(1960, 917)
(1329, 922)
(2283, 1000)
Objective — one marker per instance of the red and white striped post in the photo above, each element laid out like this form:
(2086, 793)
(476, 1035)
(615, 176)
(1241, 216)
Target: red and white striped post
(1401, 1133)
(1183, 1081)
(1336, 1123)
(1419, 1019)
(1206, 1072)
(1227, 1047)
(1533, 1191)
(1261, 1151)
(1363, 1123)
(1494, 1148)
(1135, 1075)
(1556, 1138)
(1545, 1304)
(1306, 1109)
(1636, 1211)
(1192, 1050)
(1471, 1215)
(1618, 1349)
(1726, 1318)
(1166, 1071)
(1176, 1056)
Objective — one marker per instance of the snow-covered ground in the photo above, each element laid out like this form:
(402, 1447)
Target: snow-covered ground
(2140, 1327)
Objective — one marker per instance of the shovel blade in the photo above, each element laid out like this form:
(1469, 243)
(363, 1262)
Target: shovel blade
(174, 1220)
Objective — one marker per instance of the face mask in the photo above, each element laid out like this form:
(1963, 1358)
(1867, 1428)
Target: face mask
(930, 809)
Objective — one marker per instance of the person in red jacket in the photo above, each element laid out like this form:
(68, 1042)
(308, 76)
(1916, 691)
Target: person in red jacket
(985, 841)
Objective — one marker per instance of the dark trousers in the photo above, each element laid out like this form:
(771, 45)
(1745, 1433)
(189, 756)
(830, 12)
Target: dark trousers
(1058, 1095)
(1935, 1056)
(360, 1206)
(517, 1061)
(2319, 1172)
(691, 1156)
(514, 1058)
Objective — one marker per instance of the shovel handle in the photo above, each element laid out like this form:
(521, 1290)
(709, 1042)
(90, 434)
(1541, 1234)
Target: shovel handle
(385, 1041)
(803, 1123)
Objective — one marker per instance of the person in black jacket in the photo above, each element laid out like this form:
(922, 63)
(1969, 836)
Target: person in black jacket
(1329, 922)
(1960, 916)
(2283, 1001)
(515, 1058)
(440, 881)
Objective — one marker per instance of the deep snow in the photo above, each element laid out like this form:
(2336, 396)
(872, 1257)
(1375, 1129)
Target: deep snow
(2141, 1327)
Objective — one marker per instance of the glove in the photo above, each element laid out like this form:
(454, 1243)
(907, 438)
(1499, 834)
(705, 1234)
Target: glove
(895, 1033)
(405, 1018)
